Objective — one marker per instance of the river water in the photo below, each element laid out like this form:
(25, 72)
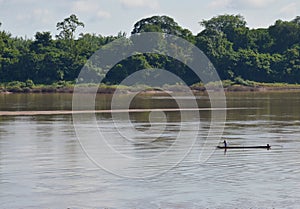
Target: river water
(44, 165)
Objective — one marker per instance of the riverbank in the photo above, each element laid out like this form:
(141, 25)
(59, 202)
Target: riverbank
(68, 87)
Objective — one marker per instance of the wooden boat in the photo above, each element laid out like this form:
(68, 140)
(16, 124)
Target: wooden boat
(245, 147)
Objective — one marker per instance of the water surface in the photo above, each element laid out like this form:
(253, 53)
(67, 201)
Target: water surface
(42, 164)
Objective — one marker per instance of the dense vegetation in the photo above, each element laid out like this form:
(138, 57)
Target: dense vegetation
(266, 55)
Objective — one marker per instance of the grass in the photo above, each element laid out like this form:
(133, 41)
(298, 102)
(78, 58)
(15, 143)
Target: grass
(238, 84)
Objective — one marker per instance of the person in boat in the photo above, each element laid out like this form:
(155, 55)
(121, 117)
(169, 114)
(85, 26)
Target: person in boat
(225, 143)
(268, 146)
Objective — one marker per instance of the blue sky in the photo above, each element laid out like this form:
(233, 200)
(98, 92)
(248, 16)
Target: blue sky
(108, 17)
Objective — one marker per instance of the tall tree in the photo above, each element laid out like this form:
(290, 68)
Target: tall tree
(232, 26)
(42, 40)
(163, 24)
(292, 64)
(285, 34)
(68, 27)
(70, 54)
(260, 40)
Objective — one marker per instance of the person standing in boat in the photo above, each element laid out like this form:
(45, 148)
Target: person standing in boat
(225, 143)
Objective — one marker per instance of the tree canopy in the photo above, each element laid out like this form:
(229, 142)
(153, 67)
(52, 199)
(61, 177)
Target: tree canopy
(163, 24)
(265, 54)
(68, 27)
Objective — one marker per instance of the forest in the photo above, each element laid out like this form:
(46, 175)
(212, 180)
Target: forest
(238, 53)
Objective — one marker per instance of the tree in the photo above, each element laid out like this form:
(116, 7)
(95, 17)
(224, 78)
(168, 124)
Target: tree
(224, 23)
(292, 64)
(215, 41)
(9, 56)
(42, 40)
(285, 34)
(220, 51)
(260, 40)
(296, 20)
(70, 54)
(68, 27)
(266, 54)
(163, 24)
(232, 26)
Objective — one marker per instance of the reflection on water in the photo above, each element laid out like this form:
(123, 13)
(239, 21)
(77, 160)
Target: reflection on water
(42, 165)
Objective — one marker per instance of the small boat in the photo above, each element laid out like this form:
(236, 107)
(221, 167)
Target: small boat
(244, 147)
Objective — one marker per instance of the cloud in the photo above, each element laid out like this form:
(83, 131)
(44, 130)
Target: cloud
(103, 14)
(91, 8)
(40, 12)
(83, 6)
(254, 4)
(289, 10)
(241, 4)
(152, 4)
(37, 15)
(219, 4)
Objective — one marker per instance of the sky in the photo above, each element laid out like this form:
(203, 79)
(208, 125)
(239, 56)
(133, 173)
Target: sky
(108, 17)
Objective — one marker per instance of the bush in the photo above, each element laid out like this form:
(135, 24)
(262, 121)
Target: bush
(227, 83)
(16, 84)
(241, 81)
(29, 83)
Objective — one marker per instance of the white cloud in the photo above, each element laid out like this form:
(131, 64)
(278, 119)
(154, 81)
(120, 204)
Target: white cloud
(152, 4)
(37, 15)
(103, 14)
(254, 4)
(219, 4)
(289, 10)
(241, 4)
(84, 6)
(40, 12)
(43, 15)
(91, 8)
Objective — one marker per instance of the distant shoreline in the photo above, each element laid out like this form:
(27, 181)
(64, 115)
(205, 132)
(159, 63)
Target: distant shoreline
(110, 89)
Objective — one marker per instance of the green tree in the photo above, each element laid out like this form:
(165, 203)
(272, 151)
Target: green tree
(42, 39)
(260, 40)
(224, 23)
(68, 27)
(9, 57)
(238, 53)
(285, 34)
(214, 42)
(163, 24)
(232, 26)
(70, 58)
(292, 64)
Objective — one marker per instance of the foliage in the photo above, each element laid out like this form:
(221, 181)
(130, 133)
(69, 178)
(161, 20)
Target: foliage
(238, 53)
(263, 55)
(68, 27)
(163, 24)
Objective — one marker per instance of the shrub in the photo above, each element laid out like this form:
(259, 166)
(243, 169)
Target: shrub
(29, 83)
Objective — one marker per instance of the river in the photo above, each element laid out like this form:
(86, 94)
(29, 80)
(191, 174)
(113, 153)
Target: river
(44, 164)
